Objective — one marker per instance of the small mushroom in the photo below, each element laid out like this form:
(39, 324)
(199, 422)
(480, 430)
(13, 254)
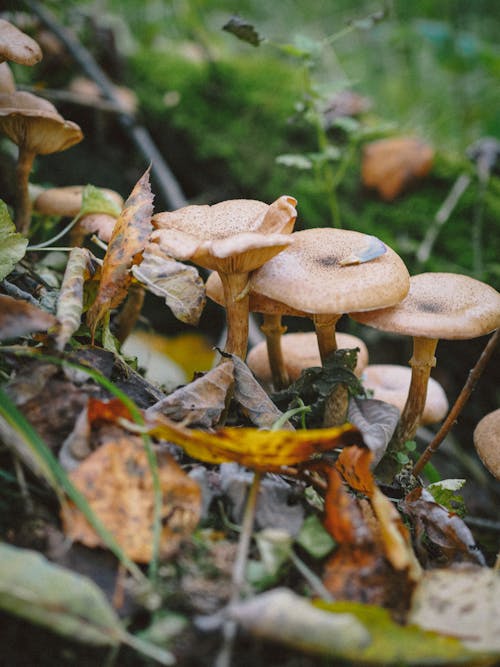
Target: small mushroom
(233, 238)
(487, 442)
(438, 305)
(391, 383)
(67, 201)
(35, 126)
(301, 351)
(16, 46)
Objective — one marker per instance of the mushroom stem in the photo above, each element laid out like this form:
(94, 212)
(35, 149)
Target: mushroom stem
(130, 312)
(422, 361)
(273, 329)
(236, 299)
(325, 332)
(23, 202)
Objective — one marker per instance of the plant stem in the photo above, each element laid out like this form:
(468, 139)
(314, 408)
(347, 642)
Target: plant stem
(459, 404)
(236, 300)
(273, 329)
(23, 202)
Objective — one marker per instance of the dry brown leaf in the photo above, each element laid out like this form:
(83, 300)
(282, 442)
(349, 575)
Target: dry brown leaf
(130, 235)
(390, 165)
(20, 318)
(117, 483)
(70, 301)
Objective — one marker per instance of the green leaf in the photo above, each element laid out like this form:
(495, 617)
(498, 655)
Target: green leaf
(243, 30)
(445, 494)
(295, 161)
(12, 244)
(71, 605)
(95, 200)
(314, 539)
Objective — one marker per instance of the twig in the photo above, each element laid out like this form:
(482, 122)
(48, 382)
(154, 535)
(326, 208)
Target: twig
(170, 188)
(74, 98)
(457, 408)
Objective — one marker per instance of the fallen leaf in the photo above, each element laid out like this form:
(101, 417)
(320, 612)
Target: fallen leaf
(107, 411)
(200, 402)
(77, 446)
(129, 238)
(180, 285)
(117, 483)
(20, 318)
(243, 30)
(262, 450)
(70, 301)
(390, 165)
(441, 537)
(376, 420)
(463, 603)
(12, 244)
(371, 249)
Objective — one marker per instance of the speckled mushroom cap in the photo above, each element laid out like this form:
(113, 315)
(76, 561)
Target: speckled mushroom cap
(300, 351)
(258, 302)
(16, 46)
(67, 201)
(311, 276)
(487, 442)
(234, 236)
(391, 383)
(440, 305)
(34, 124)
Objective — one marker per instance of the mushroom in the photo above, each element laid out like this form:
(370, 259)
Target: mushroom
(438, 305)
(35, 126)
(390, 383)
(233, 238)
(7, 83)
(301, 351)
(16, 46)
(487, 441)
(67, 202)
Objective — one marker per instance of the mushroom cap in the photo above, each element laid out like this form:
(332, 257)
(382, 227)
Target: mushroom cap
(258, 302)
(391, 383)
(234, 236)
(34, 124)
(7, 83)
(300, 351)
(487, 442)
(67, 201)
(16, 46)
(311, 275)
(440, 305)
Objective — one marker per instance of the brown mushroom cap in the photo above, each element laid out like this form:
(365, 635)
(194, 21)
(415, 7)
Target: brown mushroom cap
(67, 201)
(34, 124)
(7, 83)
(300, 351)
(440, 305)
(309, 275)
(16, 46)
(391, 383)
(487, 442)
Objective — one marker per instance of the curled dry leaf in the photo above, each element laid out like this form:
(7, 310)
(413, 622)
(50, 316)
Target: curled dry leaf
(376, 420)
(20, 318)
(180, 285)
(262, 450)
(117, 483)
(70, 301)
(130, 235)
(390, 165)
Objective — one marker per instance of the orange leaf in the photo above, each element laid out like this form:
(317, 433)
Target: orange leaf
(130, 235)
(263, 450)
(108, 411)
(117, 482)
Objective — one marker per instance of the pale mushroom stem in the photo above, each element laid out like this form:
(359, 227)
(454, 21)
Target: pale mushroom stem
(23, 201)
(422, 361)
(325, 332)
(273, 329)
(236, 298)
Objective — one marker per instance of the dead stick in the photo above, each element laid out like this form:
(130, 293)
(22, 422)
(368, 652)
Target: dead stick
(457, 408)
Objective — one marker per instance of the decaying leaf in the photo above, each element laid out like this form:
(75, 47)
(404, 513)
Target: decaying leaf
(441, 537)
(180, 285)
(200, 402)
(20, 318)
(390, 165)
(67, 603)
(12, 244)
(262, 450)
(129, 238)
(243, 30)
(70, 301)
(463, 603)
(117, 483)
(376, 420)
